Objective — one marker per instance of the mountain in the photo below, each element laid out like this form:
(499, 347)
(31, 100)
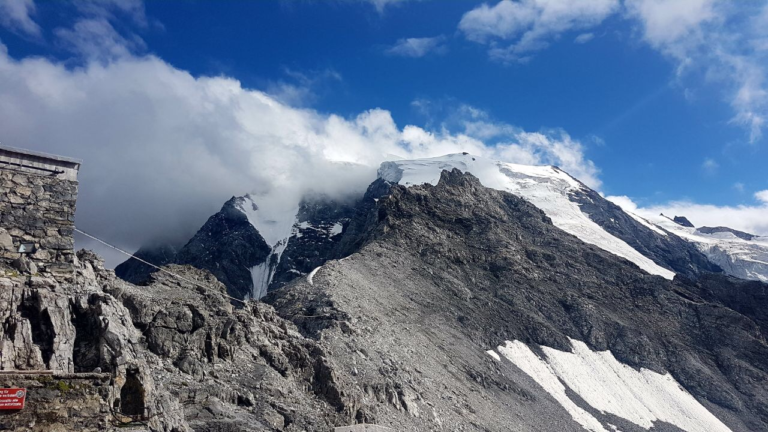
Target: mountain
(720, 229)
(320, 223)
(137, 272)
(738, 253)
(228, 246)
(437, 303)
(302, 237)
(572, 206)
(467, 308)
(252, 249)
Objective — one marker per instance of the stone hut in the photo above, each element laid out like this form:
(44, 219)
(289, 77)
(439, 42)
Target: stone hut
(38, 193)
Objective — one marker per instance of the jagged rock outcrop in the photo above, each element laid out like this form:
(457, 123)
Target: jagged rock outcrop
(137, 272)
(228, 246)
(720, 229)
(319, 226)
(74, 326)
(176, 356)
(683, 221)
(443, 273)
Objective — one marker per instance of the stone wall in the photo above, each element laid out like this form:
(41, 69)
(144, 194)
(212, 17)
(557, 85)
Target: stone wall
(39, 210)
(61, 403)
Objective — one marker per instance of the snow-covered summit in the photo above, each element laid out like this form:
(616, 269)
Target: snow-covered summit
(745, 257)
(546, 187)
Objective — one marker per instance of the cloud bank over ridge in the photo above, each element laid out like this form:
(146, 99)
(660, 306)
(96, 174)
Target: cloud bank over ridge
(163, 149)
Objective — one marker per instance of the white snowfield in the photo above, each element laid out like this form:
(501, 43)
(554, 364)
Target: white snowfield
(745, 259)
(275, 224)
(546, 187)
(641, 397)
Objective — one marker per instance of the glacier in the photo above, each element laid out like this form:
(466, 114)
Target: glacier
(745, 259)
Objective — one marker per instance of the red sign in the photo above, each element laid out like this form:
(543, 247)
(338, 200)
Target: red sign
(12, 398)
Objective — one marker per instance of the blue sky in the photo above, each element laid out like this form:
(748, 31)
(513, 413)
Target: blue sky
(661, 102)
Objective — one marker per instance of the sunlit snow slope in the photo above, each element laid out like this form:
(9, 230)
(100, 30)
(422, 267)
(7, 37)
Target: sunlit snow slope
(546, 187)
(642, 397)
(746, 259)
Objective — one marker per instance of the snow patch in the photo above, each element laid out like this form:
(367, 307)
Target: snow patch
(546, 187)
(493, 354)
(312, 275)
(647, 224)
(641, 397)
(522, 357)
(274, 222)
(337, 228)
(271, 218)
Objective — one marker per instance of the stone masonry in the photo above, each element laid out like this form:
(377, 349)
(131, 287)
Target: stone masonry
(37, 214)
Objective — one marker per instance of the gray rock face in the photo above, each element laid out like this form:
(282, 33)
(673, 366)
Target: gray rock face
(668, 251)
(683, 221)
(174, 355)
(443, 273)
(227, 246)
(136, 272)
(740, 234)
(320, 225)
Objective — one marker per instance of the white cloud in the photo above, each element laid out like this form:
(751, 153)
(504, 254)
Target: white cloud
(163, 149)
(624, 202)
(725, 40)
(16, 15)
(762, 196)
(552, 148)
(302, 88)
(96, 39)
(530, 24)
(739, 187)
(666, 23)
(749, 218)
(511, 143)
(710, 166)
(417, 47)
(584, 38)
(382, 5)
(133, 9)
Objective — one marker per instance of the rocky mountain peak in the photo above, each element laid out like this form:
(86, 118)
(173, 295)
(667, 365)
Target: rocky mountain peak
(683, 221)
(445, 271)
(720, 229)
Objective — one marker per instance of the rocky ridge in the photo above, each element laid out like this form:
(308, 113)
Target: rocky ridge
(173, 355)
(443, 273)
(230, 247)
